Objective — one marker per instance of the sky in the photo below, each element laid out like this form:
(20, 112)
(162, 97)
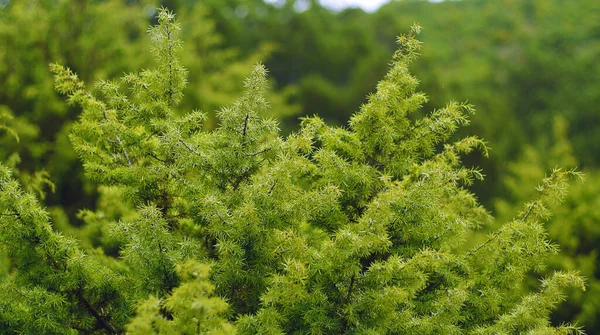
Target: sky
(367, 5)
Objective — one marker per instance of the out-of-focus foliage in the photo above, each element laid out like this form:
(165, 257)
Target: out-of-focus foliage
(98, 38)
(520, 63)
(575, 225)
(334, 59)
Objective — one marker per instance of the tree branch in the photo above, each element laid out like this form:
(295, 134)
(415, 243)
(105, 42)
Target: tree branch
(124, 151)
(259, 152)
(99, 318)
(170, 54)
(245, 130)
(497, 233)
(187, 146)
(117, 136)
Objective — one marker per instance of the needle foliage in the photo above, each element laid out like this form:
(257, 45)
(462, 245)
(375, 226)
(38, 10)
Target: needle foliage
(332, 230)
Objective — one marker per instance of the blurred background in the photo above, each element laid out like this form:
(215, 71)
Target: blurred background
(530, 67)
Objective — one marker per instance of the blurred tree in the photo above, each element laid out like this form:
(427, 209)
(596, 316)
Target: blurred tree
(98, 38)
(332, 58)
(574, 225)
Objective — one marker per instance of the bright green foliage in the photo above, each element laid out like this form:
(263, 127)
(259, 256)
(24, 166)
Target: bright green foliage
(192, 310)
(57, 289)
(99, 39)
(332, 230)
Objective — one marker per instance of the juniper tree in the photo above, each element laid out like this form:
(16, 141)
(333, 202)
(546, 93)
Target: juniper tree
(356, 229)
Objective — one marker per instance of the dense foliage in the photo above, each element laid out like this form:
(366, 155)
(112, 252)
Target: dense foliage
(522, 63)
(99, 39)
(359, 229)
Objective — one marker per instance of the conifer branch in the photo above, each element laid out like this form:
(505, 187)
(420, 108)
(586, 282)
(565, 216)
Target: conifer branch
(488, 241)
(155, 157)
(222, 219)
(533, 204)
(272, 187)
(102, 322)
(35, 239)
(187, 146)
(547, 186)
(244, 131)
(124, 151)
(168, 280)
(497, 233)
(247, 232)
(117, 136)
(244, 176)
(170, 54)
(351, 286)
(346, 300)
(259, 152)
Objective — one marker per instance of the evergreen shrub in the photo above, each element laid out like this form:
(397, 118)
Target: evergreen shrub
(332, 230)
